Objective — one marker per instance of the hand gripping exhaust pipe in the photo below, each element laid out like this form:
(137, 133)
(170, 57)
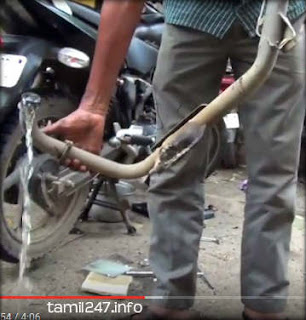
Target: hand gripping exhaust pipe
(177, 144)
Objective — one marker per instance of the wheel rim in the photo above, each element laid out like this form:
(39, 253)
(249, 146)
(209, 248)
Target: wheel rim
(47, 230)
(43, 224)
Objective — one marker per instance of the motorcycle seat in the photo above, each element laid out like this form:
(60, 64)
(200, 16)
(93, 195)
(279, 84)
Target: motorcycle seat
(152, 18)
(85, 13)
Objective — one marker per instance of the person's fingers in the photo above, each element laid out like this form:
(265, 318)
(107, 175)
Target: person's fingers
(53, 128)
(76, 164)
(83, 168)
(67, 162)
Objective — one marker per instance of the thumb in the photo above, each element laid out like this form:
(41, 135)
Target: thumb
(54, 128)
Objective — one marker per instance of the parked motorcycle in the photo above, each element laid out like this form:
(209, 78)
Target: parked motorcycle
(32, 60)
(229, 152)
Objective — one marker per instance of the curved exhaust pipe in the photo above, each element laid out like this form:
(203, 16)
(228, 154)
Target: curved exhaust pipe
(177, 144)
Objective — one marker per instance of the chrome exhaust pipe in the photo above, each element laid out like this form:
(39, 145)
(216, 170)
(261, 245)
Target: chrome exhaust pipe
(178, 143)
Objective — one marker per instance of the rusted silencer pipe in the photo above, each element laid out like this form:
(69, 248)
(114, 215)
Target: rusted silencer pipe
(272, 35)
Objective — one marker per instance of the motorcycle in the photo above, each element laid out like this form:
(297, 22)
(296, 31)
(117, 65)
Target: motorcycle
(232, 134)
(35, 33)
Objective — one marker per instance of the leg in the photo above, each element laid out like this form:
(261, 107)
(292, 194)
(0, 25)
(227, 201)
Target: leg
(189, 72)
(272, 121)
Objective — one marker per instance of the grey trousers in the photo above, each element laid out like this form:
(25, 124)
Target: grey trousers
(189, 71)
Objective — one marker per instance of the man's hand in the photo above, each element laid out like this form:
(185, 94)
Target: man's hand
(84, 128)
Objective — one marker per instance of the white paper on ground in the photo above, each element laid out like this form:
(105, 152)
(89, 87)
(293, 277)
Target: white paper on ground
(97, 283)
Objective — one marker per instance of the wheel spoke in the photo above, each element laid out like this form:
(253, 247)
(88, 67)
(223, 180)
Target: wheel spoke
(11, 180)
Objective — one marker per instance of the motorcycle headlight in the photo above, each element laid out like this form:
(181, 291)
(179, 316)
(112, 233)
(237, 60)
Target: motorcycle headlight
(73, 58)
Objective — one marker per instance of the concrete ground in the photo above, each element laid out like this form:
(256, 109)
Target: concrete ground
(60, 271)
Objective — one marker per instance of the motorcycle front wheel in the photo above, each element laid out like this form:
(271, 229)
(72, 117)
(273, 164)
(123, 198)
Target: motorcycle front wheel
(48, 227)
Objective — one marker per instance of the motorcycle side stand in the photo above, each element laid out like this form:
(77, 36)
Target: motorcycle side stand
(92, 198)
(122, 205)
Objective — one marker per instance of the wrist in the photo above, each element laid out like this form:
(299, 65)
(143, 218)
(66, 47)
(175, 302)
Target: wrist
(94, 104)
(94, 109)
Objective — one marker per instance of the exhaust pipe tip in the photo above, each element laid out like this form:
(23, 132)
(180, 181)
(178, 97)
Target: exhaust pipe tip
(27, 106)
(30, 100)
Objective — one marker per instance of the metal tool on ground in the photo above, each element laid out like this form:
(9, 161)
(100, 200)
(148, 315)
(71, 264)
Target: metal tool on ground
(209, 212)
(207, 239)
(114, 268)
(206, 281)
(149, 273)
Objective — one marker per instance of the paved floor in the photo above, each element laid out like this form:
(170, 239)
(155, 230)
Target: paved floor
(60, 271)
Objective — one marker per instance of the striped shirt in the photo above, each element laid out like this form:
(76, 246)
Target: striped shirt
(217, 16)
